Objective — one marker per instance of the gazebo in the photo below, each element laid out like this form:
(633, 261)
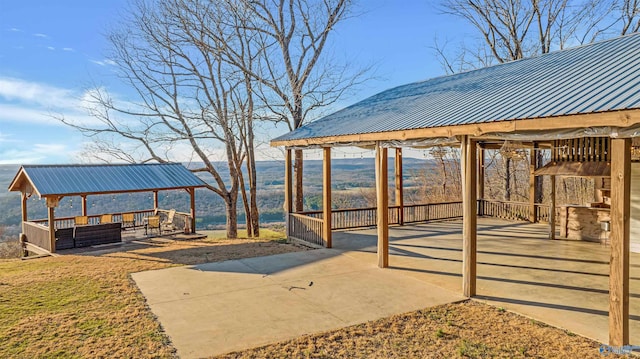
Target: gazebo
(54, 182)
(581, 104)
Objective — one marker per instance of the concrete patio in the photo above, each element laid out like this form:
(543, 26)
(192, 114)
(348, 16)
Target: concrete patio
(563, 283)
(221, 307)
(216, 308)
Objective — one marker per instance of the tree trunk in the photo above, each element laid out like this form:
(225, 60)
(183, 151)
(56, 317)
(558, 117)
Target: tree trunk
(231, 207)
(245, 203)
(253, 219)
(254, 224)
(539, 180)
(297, 173)
(507, 179)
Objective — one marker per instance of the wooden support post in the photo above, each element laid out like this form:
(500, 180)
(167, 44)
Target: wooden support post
(192, 197)
(481, 174)
(24, 209)
(326, 195)
(155, 201)
(533, 217)
(469, 208)
(619, 257)
(552, 208)
(288, 184)
(382, 197)
(288, 190)
(84, 205)
(399, 186)
(52, 203)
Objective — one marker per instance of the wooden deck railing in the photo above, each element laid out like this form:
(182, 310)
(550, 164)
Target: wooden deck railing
(69, 222)
(432, 212)
(542, 212)
(37, 234)
(367, 217)
(305, 228)
(514, 211)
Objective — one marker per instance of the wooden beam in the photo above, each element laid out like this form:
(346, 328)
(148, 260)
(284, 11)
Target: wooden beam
(533, 218)
(399, 186)
(155, 200)
(288, 183)
(326, 195)
(469, 208)
(619, 257)
(192, 197)
(52, 203)
(37, 250)
(83, 204)
(382, 197)
(481, 174)
(622, 118)
(552, 208)
(24, 209)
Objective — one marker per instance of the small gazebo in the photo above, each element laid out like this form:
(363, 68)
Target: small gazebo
(582, 104)
(54, 182)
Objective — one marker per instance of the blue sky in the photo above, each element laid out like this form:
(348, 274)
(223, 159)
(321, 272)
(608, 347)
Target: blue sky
(52, 52)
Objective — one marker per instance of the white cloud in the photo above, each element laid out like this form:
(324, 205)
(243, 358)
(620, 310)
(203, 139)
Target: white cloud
(13, 156)
(15, 29)
(44, 36)
(13, 89)
(22, 114)
(37, 153)
(48, 148)
(5, 138)
(31, 102)
(105, 62)
(51, 48)
(70, 49)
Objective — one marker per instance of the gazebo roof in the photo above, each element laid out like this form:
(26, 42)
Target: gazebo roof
(602, 77)
(69, 180)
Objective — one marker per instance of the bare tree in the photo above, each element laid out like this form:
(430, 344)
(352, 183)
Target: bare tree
(294, 79)
(513, 29)
(187, 98)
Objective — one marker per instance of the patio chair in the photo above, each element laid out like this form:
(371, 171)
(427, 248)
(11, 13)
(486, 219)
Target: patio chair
(167, 225)
(128, 221)
(152, 222)
(106, 218)
(81, 220)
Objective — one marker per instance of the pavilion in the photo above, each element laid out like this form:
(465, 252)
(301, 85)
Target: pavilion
(54, 182)
(581, 104)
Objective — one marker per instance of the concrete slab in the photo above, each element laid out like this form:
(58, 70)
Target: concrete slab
(216, 308)
(562, 283)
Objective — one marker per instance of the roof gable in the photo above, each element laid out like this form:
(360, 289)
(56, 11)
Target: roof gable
(598, 77)
(47, 180)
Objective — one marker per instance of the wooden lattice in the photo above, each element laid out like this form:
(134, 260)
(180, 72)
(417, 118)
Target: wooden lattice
(587, 149)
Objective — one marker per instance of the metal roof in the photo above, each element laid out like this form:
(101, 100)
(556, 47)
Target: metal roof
(47, 180)
(598, 77)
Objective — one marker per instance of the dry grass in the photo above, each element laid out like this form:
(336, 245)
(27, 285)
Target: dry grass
(464, 330)
(86, 306)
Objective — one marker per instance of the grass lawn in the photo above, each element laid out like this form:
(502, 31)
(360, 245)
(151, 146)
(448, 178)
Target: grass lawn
(85, 305)
(462, 330)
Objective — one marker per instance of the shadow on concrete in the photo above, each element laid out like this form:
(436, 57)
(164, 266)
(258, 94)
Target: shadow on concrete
(551, 306)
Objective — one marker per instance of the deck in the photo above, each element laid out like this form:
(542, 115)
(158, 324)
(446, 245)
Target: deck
(563, 283)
